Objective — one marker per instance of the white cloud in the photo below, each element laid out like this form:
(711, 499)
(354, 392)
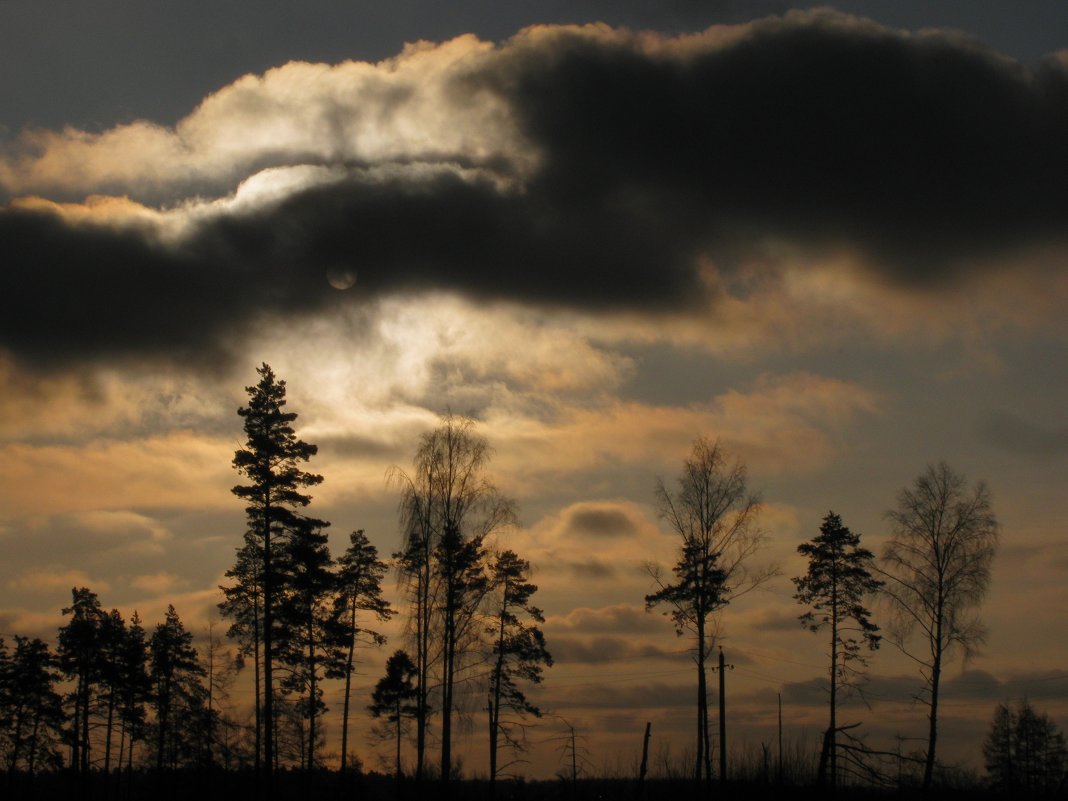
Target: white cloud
(406, 109)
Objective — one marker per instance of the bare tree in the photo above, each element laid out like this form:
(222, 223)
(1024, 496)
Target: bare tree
(448, 508)
(937, 568)
(715, 516)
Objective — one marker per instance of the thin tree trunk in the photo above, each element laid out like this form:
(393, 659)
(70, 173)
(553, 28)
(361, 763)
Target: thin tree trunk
(423, 658)
(256, 656)
(85, 730)
(701, 757)
(122, 750)
(446, 700)
(107, 735)
(398, 773)
(932, 732)
(834, 680)
(348, 685)
(311, 694)
(495, 693)
(268, 653)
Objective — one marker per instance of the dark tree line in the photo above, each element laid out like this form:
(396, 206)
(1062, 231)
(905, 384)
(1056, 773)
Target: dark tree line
(126, 691)
(300, 616)
(111, 694)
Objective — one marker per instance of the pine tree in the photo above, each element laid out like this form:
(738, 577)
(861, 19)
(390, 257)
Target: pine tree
(1025, 751)
(79, 661)
(176, 674)
(359, 589)
(136, 688)
(270, 461)
(396, 698)
(838, 579)
(519, 652)
(32, 716)
(309, 637)
(112, 646)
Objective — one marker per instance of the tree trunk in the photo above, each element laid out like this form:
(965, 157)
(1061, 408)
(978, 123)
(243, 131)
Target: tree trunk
(422, 647)
(258, 689)
(703, 757)
(495, 694)
(85, 729)
(932, 732)
(311, 694)
(446, 699)
(398, 773)
(348, 686)
(107, 732)
(834, 682)
(268, 653)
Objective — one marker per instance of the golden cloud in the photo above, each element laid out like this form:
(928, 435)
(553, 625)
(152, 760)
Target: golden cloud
(174, 470)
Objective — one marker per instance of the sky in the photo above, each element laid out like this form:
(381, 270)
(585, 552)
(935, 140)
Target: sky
(832, 238)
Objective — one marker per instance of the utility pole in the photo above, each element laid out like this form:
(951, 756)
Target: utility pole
(778, 774)
(645, 754)
(722, 717)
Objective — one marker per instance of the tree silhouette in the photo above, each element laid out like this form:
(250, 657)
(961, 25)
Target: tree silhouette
(715, 517)
(448, 508)
(270, 461)
(519, 651)
(359, 589)
(175, 673)
(1024, 751)
(838, 579)
(79, 661)
(32, 717)
(243, 604)
(937, 568)
(396, 698)
(309, 637)
(112, 648)
(136, 688)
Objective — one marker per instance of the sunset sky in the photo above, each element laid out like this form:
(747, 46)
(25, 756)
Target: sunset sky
(836, 239)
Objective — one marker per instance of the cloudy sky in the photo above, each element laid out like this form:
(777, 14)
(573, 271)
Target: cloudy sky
(832, 238)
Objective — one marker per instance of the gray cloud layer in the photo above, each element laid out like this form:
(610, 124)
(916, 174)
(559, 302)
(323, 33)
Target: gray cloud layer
(920, 153)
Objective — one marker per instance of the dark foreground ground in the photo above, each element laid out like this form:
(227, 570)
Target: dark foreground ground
(334, 787)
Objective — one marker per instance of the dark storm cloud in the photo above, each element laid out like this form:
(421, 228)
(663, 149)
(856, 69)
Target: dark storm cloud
(919, 152)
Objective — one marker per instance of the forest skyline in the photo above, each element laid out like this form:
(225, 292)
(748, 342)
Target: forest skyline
(853, 269)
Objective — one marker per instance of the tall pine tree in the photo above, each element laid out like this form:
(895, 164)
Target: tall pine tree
(271, 462)
(838, 579)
